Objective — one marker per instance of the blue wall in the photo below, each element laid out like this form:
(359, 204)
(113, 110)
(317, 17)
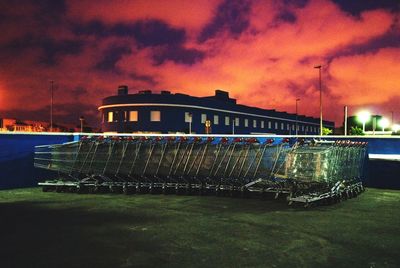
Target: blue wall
(17, 150)
(16, 158)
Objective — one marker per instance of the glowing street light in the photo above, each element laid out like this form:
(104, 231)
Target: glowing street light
(384, 123)
(395, 128)
(363, 117)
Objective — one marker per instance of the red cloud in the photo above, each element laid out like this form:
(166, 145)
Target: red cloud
(368, 78)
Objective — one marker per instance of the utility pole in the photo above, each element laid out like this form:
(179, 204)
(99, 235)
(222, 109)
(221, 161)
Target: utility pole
(297, 100)
(190, 123)
(320, 99)
(345, 121)
(81, 118)
(51, 104)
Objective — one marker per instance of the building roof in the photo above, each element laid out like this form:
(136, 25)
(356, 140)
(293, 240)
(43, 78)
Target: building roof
(220, 101)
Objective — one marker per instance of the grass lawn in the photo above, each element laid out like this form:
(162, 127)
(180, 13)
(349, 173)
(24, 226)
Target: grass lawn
(70, 230)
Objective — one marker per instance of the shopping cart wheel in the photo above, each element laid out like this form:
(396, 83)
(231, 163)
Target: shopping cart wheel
(140, 189)
(164, 190)
(126, 190)
(45, 188)
(244, 193)
(217, 191)
(60, 189)
(81, 189)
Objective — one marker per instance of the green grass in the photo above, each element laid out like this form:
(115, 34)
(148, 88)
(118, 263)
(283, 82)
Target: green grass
(71, 230)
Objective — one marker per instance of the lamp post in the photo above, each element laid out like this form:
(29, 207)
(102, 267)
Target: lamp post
(81, 118)
(319, 67)
(190, 123)
(51, 104)
(297, 100)
(384, 123)
(364, 117)
(345, 121)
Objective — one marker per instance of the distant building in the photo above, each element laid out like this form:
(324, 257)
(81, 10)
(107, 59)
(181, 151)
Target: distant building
(11, 124)
(180, 113)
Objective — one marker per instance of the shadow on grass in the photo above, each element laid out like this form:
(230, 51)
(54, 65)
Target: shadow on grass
(36, 235)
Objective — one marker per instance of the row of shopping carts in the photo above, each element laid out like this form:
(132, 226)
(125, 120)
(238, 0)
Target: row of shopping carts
(304, 171)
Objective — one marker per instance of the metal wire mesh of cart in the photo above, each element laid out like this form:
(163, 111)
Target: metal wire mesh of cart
(326, 161)
(307, 171)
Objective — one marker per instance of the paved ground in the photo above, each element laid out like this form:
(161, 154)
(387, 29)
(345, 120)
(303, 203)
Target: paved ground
(70, 230)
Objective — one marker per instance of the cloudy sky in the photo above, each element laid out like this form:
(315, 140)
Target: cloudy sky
(262, 52)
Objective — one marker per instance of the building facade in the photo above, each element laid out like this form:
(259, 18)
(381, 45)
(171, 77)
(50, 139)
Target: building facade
(146, 112)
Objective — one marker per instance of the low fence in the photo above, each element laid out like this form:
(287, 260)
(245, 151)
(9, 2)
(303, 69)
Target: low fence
(17, 153)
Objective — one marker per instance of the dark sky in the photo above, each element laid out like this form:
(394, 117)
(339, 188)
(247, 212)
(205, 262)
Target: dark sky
(262, 52)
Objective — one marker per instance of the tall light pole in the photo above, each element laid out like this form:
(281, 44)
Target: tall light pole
(364, 117)
(190, 123)
(320, 99)
(384, 123)
(81, 118)
(51, 104)
(297, 100)
(345, 121)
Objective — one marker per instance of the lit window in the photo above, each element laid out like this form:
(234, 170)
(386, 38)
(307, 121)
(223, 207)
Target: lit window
(246, 122)
(203, 118)
(302, 128)
(262, 124)
(269, 124)
(216, 119)
(254, 123)
(236, 122)
(188, 117)
(287, 127)
(110, 116)
(133, 116)
(276, 125)
(282, 127)
(227, 121)
(292, 127)
(306, 128)
(155, 116)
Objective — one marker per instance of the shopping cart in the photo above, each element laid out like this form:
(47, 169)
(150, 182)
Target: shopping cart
(305, 171)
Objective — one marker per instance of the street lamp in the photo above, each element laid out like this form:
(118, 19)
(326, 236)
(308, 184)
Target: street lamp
(81, 119)
(297, 100)
(364, 117)
(51, 104)
(384, 123)
(320, 98)
(395, 128)
(190, 123)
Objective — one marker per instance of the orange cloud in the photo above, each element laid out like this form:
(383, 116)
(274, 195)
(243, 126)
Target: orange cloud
(368, 78)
